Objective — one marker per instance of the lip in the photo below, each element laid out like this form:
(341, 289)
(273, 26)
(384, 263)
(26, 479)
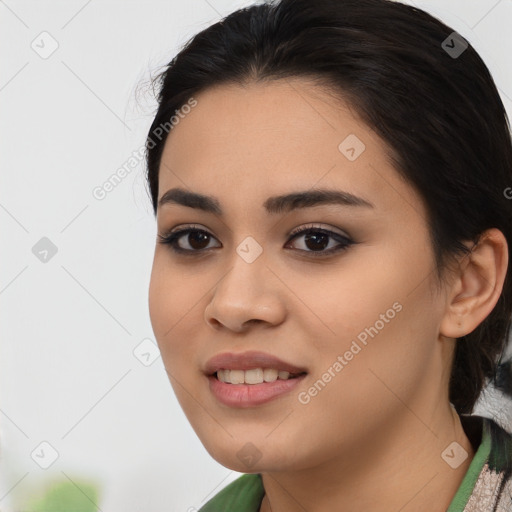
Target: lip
(248, 360)
(251, 395)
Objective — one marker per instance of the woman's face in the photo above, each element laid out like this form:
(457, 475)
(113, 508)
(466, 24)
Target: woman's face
(362, 321)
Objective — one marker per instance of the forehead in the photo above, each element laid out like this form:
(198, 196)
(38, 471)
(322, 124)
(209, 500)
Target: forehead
(268, 138)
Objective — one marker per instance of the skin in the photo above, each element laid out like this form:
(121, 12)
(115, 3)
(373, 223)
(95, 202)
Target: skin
(372, 438)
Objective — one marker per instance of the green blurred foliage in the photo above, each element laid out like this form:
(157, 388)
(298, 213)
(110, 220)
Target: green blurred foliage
(66, 496)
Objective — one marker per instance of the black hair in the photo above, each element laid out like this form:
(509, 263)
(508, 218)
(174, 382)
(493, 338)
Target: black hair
(420, 86)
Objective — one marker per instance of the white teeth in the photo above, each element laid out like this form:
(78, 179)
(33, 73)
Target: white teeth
(270, 375)
(236, 376)
(253, 376)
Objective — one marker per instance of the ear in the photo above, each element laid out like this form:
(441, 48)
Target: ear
(477, 285)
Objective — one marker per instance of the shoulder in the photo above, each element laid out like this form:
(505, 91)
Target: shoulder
(242, 495)
(487, 486)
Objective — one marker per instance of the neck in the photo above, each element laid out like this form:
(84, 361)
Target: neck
(400, 469)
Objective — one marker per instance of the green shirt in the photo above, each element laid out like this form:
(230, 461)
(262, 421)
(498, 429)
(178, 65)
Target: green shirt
(478, 491)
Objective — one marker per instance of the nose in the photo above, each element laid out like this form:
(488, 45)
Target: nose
(247, 293)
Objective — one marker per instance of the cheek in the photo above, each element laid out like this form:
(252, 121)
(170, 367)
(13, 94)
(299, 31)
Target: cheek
(383, 323)
(375, 382)
(172, 300)
(174, 306)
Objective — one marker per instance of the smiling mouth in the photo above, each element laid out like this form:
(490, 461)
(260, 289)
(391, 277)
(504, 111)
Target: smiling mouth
(254, 375)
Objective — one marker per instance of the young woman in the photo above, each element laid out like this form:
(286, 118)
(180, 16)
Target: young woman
(330, 288)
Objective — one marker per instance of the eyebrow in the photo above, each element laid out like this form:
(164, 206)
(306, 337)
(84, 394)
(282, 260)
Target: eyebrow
(273, 205)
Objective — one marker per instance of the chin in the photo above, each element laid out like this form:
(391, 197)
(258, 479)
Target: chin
(233, 463)
(245, 456)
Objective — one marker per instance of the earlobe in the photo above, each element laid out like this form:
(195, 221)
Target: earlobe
(477, 286)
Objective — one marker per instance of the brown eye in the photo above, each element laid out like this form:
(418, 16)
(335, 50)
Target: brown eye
(317, 240)
(196, 239)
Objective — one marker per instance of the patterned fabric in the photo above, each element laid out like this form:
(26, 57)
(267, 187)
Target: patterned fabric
(492, 491)
(484, 496)
(489, 474)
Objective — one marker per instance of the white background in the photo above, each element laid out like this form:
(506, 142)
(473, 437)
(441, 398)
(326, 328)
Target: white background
(68, 374)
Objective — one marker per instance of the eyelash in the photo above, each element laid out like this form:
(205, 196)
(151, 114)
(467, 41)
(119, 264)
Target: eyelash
(172, 238)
